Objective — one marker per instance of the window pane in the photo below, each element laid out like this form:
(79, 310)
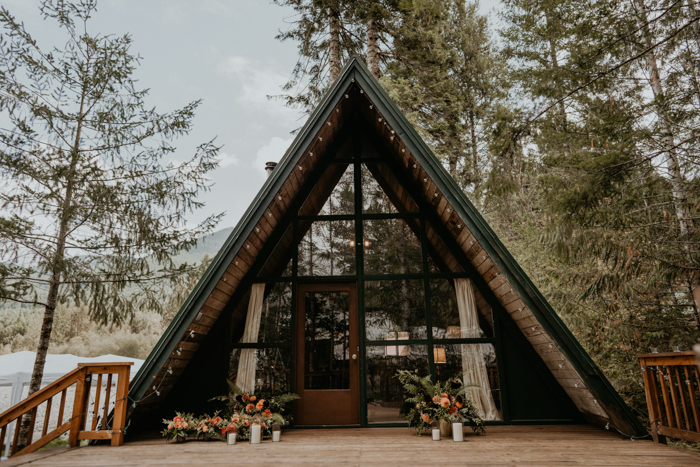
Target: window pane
(334, 193)
(382, 193)
(385, 395)
(445, 313)
(456, 359)
(327, 248)
(392, 246)
(327, 340)
(275, 322)
(440, 259)
(273, 369)
(395, 310)
(279, 264)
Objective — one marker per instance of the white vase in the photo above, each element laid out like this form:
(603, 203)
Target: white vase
(276, 436)
(255, 434)
(436, 434)
(231, 439)
(457, 432)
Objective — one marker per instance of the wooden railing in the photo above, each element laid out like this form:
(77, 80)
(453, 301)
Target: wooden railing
(671, 383)
(79, 425)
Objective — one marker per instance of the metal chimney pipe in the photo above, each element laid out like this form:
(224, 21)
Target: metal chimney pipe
(269, 167)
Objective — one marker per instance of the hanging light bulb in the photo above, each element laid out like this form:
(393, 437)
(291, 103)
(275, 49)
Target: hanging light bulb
(366, 243)
(352, 243)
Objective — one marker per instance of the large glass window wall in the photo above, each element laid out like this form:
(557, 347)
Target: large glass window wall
(360, 223)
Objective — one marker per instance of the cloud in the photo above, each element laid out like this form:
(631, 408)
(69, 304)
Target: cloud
(271, 152)
(254, 82)
(226, 159)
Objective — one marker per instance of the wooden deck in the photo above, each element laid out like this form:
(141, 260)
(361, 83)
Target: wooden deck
(511, 445)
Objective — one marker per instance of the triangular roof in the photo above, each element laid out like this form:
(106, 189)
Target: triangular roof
(497, 274)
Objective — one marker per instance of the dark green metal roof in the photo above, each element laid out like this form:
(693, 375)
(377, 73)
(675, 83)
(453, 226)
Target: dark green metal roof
(356, 70)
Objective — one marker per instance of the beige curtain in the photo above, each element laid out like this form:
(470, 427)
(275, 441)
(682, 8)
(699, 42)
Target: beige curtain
(473, 363)
(246, 365)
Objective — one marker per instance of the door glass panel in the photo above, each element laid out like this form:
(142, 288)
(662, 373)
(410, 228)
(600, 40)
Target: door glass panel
(392, 246)
(327, 340)
(395, 310)
(327, 248)
(385, 395)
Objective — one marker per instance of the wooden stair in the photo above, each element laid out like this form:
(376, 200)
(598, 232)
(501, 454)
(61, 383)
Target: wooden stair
(79, 425)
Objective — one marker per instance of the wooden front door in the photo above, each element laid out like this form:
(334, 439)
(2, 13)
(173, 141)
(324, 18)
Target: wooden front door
(327, 355)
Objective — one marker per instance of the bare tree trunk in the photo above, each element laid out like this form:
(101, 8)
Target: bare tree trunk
(555, 65)
(333, 16)
(680, 197)
(475, 156)
(373, 45)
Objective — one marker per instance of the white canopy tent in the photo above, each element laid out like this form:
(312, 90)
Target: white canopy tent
(16, 371)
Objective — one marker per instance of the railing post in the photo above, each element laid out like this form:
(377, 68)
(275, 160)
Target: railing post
(120, 405)
(652, 396)
(82, 395)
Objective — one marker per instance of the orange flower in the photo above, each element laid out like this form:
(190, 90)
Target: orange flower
(260, 404)
(452, 410)
(444, 402)
(247, 423)
(426, 419)
(216, 421)
(444, 394)
(253, 398)
(245, 397)
(436, 399)
(459, 405)
(185, 424)
(249, 408)
(267, 413)
(235, 419)
(177, 419)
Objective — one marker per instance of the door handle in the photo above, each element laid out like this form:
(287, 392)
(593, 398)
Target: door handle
(354, 356)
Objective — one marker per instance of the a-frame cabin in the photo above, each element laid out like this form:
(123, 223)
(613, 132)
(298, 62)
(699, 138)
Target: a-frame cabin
(359, 236)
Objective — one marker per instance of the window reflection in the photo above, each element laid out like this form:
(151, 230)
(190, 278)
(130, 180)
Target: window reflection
(334, 193)
(445, 314)
(395, 310)
(275, 322)
(279, 264)
(327, 248)
(476, 364)
(385, 395)
(273, 369)
(392, 246)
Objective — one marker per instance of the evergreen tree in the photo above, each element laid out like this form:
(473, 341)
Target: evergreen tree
(90, 212)
(445, 76)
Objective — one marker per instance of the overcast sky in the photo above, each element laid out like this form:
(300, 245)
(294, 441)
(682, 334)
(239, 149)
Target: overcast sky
(221, 51)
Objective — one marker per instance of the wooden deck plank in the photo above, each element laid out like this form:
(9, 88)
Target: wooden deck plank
(516, 445)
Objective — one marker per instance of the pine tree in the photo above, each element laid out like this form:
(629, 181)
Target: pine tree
(327, 36)
(91, 214)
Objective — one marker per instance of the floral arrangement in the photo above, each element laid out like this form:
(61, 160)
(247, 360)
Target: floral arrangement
(431, 402)
(180, 427)
(242, 411)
